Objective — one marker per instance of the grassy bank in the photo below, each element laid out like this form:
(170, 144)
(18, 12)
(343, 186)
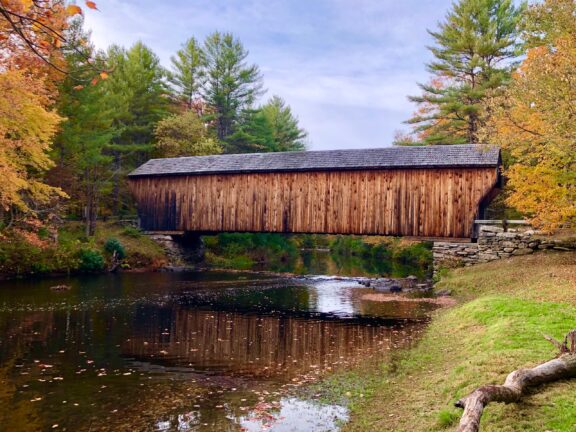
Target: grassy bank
(505, 307)
(72, 252)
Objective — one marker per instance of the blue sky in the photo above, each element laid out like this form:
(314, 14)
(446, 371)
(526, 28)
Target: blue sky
(345, 66)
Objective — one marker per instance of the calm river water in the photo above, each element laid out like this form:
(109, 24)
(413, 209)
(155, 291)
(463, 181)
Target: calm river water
(185, 351)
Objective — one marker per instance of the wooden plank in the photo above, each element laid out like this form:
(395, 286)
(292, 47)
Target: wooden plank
(417, 202)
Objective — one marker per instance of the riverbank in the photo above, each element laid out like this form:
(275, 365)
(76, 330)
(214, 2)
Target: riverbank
(302, 254)
(497, 327)
(70, 252)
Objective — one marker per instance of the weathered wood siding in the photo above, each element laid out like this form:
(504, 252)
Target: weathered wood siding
(440, 202)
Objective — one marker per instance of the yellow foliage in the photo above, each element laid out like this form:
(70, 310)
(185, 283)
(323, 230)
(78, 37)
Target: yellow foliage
(26, 131)
(535, 121)
(184, 135)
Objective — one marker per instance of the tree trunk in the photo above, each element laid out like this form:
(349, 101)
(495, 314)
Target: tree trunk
(473, 129)
(91, 206)
(517, 382)
(116, 186)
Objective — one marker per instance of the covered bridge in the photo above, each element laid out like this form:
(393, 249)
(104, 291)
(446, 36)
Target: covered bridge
(432, 191)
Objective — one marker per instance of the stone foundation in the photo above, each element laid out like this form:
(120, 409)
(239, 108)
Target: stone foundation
(181, 250)
(495, 243)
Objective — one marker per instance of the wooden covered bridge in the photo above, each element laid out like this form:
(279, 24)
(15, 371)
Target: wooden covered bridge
(428, 192)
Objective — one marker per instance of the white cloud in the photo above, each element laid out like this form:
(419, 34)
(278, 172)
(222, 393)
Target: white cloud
(345, 66)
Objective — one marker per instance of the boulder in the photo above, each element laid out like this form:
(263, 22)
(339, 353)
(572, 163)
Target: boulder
(523, 251)
(491, 229)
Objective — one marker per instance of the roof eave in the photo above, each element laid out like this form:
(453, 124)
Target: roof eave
(273, 171)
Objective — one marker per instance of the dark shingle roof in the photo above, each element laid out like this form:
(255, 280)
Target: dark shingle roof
(465, 155)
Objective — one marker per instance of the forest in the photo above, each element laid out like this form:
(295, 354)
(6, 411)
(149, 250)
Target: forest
(75, 120)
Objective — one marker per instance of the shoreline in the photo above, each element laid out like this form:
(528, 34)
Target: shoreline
(495, 328)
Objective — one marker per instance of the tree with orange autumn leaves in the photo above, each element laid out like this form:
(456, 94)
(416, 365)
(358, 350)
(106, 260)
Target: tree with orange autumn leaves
(535, 119)
(34, 29)
(31, 66)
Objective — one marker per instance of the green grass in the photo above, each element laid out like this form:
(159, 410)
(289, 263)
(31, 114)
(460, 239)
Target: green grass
(497, 328)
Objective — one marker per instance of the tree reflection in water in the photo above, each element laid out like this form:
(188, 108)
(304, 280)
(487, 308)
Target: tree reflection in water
(182, 352)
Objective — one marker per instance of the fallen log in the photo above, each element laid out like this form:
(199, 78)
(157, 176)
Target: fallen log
(518, 382)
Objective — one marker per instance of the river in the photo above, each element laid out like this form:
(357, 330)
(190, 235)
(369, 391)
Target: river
(198, 351)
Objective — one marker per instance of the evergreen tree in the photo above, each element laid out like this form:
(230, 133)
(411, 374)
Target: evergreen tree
(287, 134)
(270, 128)
(139, 88)
(80, 147)
(188, 72)
(231, 84)
(254, 134)
(474, 54)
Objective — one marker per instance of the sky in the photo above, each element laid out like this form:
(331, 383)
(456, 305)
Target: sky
(345, 67)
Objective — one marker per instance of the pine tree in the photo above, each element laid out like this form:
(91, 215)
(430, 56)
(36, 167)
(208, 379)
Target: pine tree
(80, 147)
(231, 84)
(475, 48)
(287, 134)
(188, 72)
(253, 134)
(270, 128)
(141, 95)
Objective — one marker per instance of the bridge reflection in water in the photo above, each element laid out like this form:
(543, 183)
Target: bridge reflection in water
(155, 351)
(264, 346)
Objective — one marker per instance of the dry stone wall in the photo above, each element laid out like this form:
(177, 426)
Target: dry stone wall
(495, 243)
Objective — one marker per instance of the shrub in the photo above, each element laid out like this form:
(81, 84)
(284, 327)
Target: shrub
(131, 231)
(113, 245)
(417, 254)
(244, 250)
(350, 246)
(90, 260)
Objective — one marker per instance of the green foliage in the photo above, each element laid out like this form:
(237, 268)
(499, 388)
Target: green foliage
(215, 81)
(113, 245)
(133, 232)
(387, 258)
(90, 261)
(231, 84)
(244, 250)
(19, 258)
(270, 128)
(188, 72)
(81, 146)
(286, 133)
(141, 98)
(417, 254)
(253, 134)
(74, 252)
(312, 241)
(349, 254)
(184, 135)
(473, 50)
(43, 233)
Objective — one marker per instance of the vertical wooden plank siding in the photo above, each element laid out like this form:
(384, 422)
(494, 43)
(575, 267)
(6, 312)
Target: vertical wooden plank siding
(440, 202)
